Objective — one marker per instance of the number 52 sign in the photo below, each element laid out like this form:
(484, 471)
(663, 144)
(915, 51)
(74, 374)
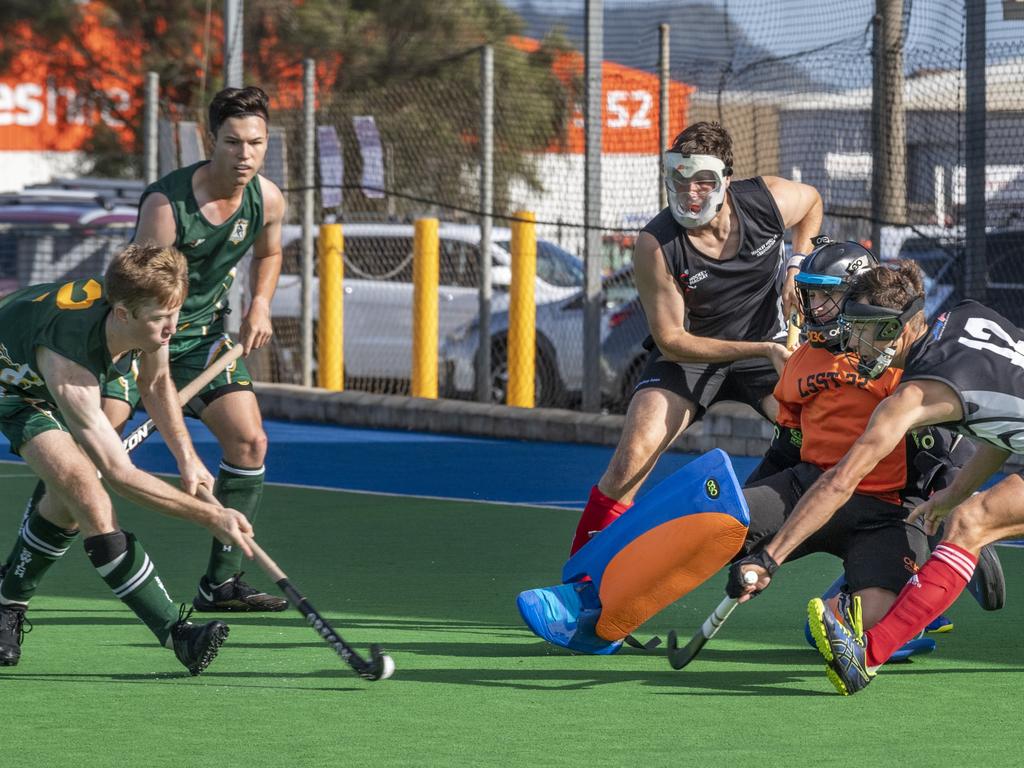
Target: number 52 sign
(628, 109)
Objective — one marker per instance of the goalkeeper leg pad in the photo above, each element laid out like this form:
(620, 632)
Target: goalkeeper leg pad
(673, 539)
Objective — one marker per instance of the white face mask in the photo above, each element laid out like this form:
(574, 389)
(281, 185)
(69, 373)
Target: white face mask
(683, 171)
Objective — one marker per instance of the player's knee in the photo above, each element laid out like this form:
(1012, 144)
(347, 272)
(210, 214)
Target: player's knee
(252, 448)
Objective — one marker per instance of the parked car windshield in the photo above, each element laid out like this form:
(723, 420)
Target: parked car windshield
(555, 266)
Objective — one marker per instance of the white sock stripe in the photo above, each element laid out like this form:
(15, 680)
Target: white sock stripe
(136, 581)
(955, 560)
(241, 472)
(103, 570)
(39, 545)
(953, 555)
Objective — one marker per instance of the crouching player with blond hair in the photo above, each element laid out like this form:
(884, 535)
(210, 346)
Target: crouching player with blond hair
(59, 344)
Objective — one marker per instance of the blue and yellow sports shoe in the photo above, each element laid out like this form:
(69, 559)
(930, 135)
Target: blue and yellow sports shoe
(918, 646)
(842, 644)
(939, 625)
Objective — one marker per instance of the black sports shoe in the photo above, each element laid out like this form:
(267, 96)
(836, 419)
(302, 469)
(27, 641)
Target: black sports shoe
(13, 626)
(234, 595)
(196, 645)
(988, 585)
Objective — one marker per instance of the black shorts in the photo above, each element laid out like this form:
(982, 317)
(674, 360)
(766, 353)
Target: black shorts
(877, 547)
(746, 381)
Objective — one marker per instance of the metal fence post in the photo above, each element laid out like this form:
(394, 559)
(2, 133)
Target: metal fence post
(150, 128)
(592, 208)
(483, 359)
(308, 203)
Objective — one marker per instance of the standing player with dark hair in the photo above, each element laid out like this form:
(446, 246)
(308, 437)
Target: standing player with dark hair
(213, 212)
(965, 370)
(58, 345)
(713, 282)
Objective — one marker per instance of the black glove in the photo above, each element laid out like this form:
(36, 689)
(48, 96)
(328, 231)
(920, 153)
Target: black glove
(736, 587)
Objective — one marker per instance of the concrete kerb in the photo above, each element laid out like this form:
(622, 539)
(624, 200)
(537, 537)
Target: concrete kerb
(734, 428)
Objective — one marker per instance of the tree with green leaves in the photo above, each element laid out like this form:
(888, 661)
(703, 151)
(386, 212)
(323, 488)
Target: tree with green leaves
(413, 66)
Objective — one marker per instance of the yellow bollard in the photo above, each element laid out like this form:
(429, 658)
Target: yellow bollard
(522, 312)
(425, 290)
(331, 332)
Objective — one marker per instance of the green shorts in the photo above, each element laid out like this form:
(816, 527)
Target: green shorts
(190, 356)
(22, 419)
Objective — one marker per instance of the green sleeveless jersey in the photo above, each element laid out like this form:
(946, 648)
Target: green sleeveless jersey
(68, 318)
(212, 251)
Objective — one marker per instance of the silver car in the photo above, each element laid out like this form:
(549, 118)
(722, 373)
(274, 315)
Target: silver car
(559, 357)
(378, 288)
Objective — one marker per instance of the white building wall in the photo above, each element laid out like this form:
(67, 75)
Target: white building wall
(25, 167)
(629, 195)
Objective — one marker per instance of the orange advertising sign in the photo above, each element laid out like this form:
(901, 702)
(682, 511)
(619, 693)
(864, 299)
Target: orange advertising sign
(40, 112)
(630, 105)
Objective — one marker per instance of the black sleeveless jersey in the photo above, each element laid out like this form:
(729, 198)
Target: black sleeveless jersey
(980, 355)
(737, 299)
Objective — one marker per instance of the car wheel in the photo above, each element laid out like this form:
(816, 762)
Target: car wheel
(548, 389)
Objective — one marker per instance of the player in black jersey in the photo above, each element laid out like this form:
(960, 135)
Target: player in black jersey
(713, 281)
(965, 371)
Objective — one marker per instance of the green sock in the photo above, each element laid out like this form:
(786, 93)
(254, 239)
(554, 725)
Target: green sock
(121, 561)
(33, 503)
(239, 489)
(39, 545)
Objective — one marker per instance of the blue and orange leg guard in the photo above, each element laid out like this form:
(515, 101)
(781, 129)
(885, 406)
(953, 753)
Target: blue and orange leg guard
(673, 539)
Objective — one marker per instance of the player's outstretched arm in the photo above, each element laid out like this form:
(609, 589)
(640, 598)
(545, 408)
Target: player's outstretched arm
(906, 408)
(802, 213)
(666, 315)
(801, 208)
(156, 387)
(77, 396)
(986, 460)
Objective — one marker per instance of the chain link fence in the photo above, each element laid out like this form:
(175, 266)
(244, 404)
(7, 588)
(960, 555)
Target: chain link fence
(868, 101)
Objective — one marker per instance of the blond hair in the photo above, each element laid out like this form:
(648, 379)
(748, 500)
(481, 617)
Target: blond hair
(144, 273)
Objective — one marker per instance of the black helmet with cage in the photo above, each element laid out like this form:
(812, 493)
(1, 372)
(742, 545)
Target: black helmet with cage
(829, 269)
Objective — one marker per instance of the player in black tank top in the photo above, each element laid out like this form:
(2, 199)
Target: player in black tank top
(965, 371)
(714, 285)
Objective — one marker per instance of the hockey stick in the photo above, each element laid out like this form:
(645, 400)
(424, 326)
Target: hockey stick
(190, 390)
(379, 667)
(793, 336)
(680, 657)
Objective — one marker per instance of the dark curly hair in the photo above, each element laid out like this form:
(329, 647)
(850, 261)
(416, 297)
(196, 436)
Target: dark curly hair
(892, 285)
(238, 102)
(705, 139)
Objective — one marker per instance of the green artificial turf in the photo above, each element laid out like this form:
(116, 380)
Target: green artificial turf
(435, 583)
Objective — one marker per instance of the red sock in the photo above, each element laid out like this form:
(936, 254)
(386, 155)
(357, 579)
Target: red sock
(600, 512)
(928, 593)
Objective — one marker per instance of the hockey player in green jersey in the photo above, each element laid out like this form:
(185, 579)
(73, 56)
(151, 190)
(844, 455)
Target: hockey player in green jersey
(59, 345)
(213, 212)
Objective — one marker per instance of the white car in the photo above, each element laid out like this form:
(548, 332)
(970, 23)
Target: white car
(378, 288)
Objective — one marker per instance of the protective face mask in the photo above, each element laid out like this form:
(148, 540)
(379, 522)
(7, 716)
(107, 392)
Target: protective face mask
(681, 171)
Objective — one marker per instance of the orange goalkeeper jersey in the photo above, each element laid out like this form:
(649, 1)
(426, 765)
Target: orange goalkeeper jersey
(824, 397)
